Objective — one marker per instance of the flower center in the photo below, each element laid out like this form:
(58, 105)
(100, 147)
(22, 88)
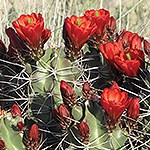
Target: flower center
(30, 20)
(78, 22)
(128, 56)
(96, 13)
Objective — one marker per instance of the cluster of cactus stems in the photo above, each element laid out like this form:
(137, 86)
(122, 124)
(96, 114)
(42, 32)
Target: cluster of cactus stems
(91, 94)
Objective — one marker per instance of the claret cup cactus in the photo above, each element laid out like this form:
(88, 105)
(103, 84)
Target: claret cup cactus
(90, 94)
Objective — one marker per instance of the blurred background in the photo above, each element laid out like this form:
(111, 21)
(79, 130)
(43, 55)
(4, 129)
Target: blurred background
(132, 15)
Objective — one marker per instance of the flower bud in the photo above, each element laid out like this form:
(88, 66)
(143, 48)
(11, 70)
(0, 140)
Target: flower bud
(68, 94)
(88, 94)
(62, 116)
(83, 131)
(133, 109)
(2, 145)
(17, 49)
(2, 50)
(20, 126)
(15, 111)
(34, 133)
(86, 90)
(147, 47)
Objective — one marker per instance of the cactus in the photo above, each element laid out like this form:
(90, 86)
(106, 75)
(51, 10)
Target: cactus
(83, 96)
(12, 139)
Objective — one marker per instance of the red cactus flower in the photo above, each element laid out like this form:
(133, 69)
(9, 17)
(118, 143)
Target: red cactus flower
(2, 145)
(76, 31)
(15, 111)
(110, 49)
(129, 62)
(31, 29)
(147, 47)
(34, 133)
(125, 38)
(130, 40)
(83, 129)
(100, 17)
(62, 116)
(45, 36)
(133, 109)
(111, 24)
(136, 42)
(68, 94)
(114, 102)
(106, 25)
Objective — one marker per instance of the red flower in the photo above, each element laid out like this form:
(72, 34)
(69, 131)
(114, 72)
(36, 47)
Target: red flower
(111, 25)
(15, 111)
(109, 50)
(114, 102)
(147, 47)
(83, 131)
(2, 145)
(31, 29)
(34, 133)
(130, 40)
(133, 109)
(45, 36)
(106, 25)
(129, 62)
(68, 94)
(62, 116)
(136, 42)
(100, 17)
(76, 31)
